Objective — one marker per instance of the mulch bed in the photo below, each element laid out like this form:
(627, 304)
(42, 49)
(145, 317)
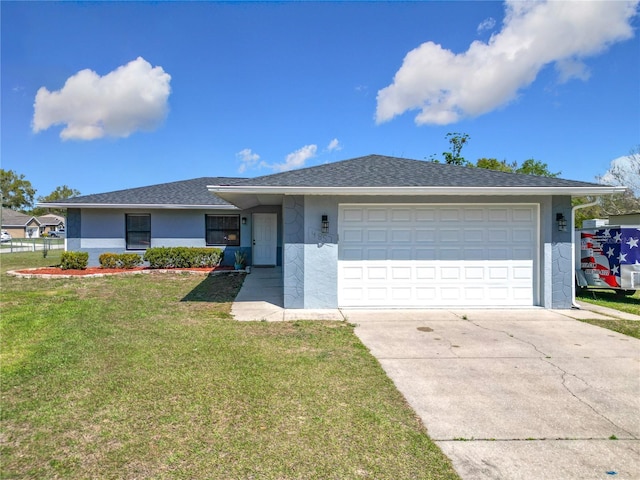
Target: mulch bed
(99, 271)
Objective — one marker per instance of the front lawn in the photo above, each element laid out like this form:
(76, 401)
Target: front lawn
(147, 376)
(610, 299)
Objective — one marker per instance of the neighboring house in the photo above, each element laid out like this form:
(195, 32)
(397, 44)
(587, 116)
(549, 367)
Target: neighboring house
(373, 231)
(625, 219)
(51, 223)
(20, 225)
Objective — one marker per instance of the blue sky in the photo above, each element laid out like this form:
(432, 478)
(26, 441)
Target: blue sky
(110, 95)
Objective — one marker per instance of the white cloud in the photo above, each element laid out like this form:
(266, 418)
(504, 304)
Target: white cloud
(447, 87)
(486, 24)
(334, 145)
(296, 159)
(248, 159)
(624, 171)
(130, 98)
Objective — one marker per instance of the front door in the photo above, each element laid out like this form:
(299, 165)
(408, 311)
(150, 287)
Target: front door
(265, 238)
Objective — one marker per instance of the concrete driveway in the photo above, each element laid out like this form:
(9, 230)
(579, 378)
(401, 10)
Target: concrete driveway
(519, 394)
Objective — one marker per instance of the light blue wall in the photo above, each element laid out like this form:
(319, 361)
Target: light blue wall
(293, 225)
(311, 268)
(562, 261)
(99, 231)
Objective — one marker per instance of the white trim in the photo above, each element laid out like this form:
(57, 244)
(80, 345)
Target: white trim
(450, 190)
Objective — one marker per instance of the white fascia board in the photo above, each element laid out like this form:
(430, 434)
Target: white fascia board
(494, 191)
(139, 205)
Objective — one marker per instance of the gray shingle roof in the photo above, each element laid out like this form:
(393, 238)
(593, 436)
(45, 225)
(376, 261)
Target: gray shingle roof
(370, 171)
(183, 192)
(382, 171)
(11, 218)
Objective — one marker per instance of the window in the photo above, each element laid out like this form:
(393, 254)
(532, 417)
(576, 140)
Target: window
(223, 230)
(138, 231)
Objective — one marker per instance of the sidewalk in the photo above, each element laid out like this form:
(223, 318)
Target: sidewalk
(597, 312)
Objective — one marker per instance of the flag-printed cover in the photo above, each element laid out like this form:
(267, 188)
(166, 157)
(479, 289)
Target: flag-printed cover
(609, 256)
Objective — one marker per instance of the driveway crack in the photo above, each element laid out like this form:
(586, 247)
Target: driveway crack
(546, 358)
(581, 400)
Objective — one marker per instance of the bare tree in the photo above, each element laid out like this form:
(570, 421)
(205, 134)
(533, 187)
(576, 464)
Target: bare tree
(624, 172)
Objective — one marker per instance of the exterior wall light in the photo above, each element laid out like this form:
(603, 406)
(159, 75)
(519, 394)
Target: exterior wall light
(325, 224)
(244, 220)
(562, 222)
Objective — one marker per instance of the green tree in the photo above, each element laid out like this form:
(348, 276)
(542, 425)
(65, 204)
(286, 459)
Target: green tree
(17, 193)
(495, 164)
(456, 142)
(535, 167)
(60, 193)
(528, 167)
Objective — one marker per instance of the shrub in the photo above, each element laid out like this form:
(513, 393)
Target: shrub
(129, 260)
(120, 260)
(182, 257)
(108, 260)
(74, 260)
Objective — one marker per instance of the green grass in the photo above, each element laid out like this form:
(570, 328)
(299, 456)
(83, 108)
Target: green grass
(609, 298)
(626, 327)
(147, 376)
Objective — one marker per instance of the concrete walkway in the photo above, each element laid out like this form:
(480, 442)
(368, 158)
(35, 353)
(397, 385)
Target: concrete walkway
(261, 299)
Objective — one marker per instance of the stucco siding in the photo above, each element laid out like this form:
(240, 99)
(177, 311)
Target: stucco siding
(562, 261)
(321, 253)
(317, 277)
(98, 231)
(293, 265)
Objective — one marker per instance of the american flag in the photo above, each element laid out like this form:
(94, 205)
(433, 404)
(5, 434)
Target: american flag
(612, 254)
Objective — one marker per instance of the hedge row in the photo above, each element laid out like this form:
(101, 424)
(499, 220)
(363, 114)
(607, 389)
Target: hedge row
(120, 260)
(74, 260)
(182, 257)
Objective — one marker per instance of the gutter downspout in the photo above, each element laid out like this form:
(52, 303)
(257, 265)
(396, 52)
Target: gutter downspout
(573, 249)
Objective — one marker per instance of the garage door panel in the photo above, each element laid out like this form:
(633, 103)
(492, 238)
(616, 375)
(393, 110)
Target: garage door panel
(497, 235)
(400, 214)
(376, 236)
(425, 235)
(425, 214)
(474, 273)
(522, 215)
(376, 214)
(474, 214)
(425, 254)
(450, 214)
(401, 236)
(473, 235)
(450, 235)
(352, 215)
(524, 235)
(473, 254)
(376, 254)
(445, 253)
(425, 273)
(398, 256)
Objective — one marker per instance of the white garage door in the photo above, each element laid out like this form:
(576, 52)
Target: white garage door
(435, 255)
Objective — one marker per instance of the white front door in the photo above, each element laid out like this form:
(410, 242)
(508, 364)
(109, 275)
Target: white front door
(265, 238)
